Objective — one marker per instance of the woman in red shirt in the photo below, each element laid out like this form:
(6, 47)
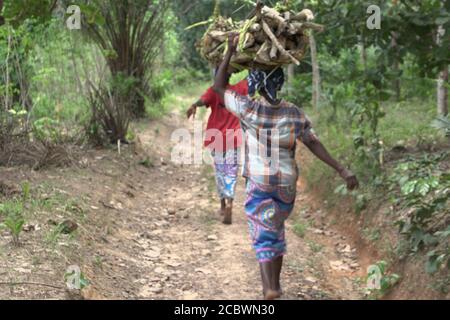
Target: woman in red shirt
(223, 138)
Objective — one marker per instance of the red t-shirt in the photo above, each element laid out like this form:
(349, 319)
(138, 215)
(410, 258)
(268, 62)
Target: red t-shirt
(221, 123)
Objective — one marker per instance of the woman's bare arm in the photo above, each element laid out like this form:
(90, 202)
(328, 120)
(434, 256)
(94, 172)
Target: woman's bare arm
(193, 108)
(319, 150)
(221, 80)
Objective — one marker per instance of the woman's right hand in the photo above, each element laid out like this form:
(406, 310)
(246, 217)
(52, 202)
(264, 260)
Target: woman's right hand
(233, 41)
(350, 179)
(191, 111)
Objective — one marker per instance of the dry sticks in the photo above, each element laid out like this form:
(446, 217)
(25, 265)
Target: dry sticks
(268, 38)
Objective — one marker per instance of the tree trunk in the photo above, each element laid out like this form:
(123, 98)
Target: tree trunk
(363, 53)
(396, 66)
(442, 92)
(7, 82)
(290, 77)
(316, 73)
(22, 93)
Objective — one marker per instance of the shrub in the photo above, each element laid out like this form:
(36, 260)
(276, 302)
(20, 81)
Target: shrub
(14, 221)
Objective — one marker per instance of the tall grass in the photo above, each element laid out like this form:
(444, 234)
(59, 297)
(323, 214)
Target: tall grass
(407, 124)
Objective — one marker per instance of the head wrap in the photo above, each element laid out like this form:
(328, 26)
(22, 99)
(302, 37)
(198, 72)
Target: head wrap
(269, 81)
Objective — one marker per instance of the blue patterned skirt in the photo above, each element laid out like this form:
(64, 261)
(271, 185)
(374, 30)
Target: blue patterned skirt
(267, 208)
(226, 167)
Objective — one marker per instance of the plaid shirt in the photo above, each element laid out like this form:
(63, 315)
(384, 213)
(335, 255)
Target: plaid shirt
(271, 135)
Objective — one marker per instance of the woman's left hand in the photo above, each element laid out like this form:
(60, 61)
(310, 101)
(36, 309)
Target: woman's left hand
(191, 112)
(350, 179)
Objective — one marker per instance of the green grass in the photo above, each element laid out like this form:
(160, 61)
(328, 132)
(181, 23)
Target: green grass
(371, 234)
(13, 218)
(98, 262)
(179, 98)
(315, 247)
(39, 202)
(441, 284)
(53, 235)
(300, 229)
(147, 162)
(407, 123)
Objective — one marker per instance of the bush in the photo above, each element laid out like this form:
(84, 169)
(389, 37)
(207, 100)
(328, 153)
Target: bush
(13, 125)
(443, 123)
(301, 93)
(14, 221)
(185, 76)
(47, 130)
(110, 116)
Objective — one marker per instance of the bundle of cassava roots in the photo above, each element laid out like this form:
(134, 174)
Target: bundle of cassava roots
(268, 38)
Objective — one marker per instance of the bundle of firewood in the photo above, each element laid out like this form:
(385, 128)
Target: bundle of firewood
(268, 38)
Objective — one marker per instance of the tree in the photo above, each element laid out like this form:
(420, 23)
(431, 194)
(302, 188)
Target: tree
(409, 28)
(443, 92)
(442, 83)
(19, 18)
(16, 12)
(2, 19)
(315, 73)
(130, 38)
(192, 12)
(396, 66)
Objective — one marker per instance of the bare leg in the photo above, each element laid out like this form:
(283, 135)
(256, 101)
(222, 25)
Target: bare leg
(265, 282)
(228, 213)
(223, 206)
(270, 275)
(278, 265)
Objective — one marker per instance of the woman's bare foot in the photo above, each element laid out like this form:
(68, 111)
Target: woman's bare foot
(270, 276)
(272, 295)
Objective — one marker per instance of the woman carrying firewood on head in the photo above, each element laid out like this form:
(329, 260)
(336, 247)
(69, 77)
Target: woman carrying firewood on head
(273, 125)
(223, 138)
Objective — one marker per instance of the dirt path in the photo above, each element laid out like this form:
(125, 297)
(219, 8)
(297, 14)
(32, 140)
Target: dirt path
(199, 258)
(153, 233)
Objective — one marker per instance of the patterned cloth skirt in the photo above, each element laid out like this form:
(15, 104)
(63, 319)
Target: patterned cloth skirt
(226, 167)
(267, 208)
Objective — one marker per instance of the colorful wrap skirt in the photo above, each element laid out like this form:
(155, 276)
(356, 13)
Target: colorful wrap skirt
(226, 167)
(267, 208)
